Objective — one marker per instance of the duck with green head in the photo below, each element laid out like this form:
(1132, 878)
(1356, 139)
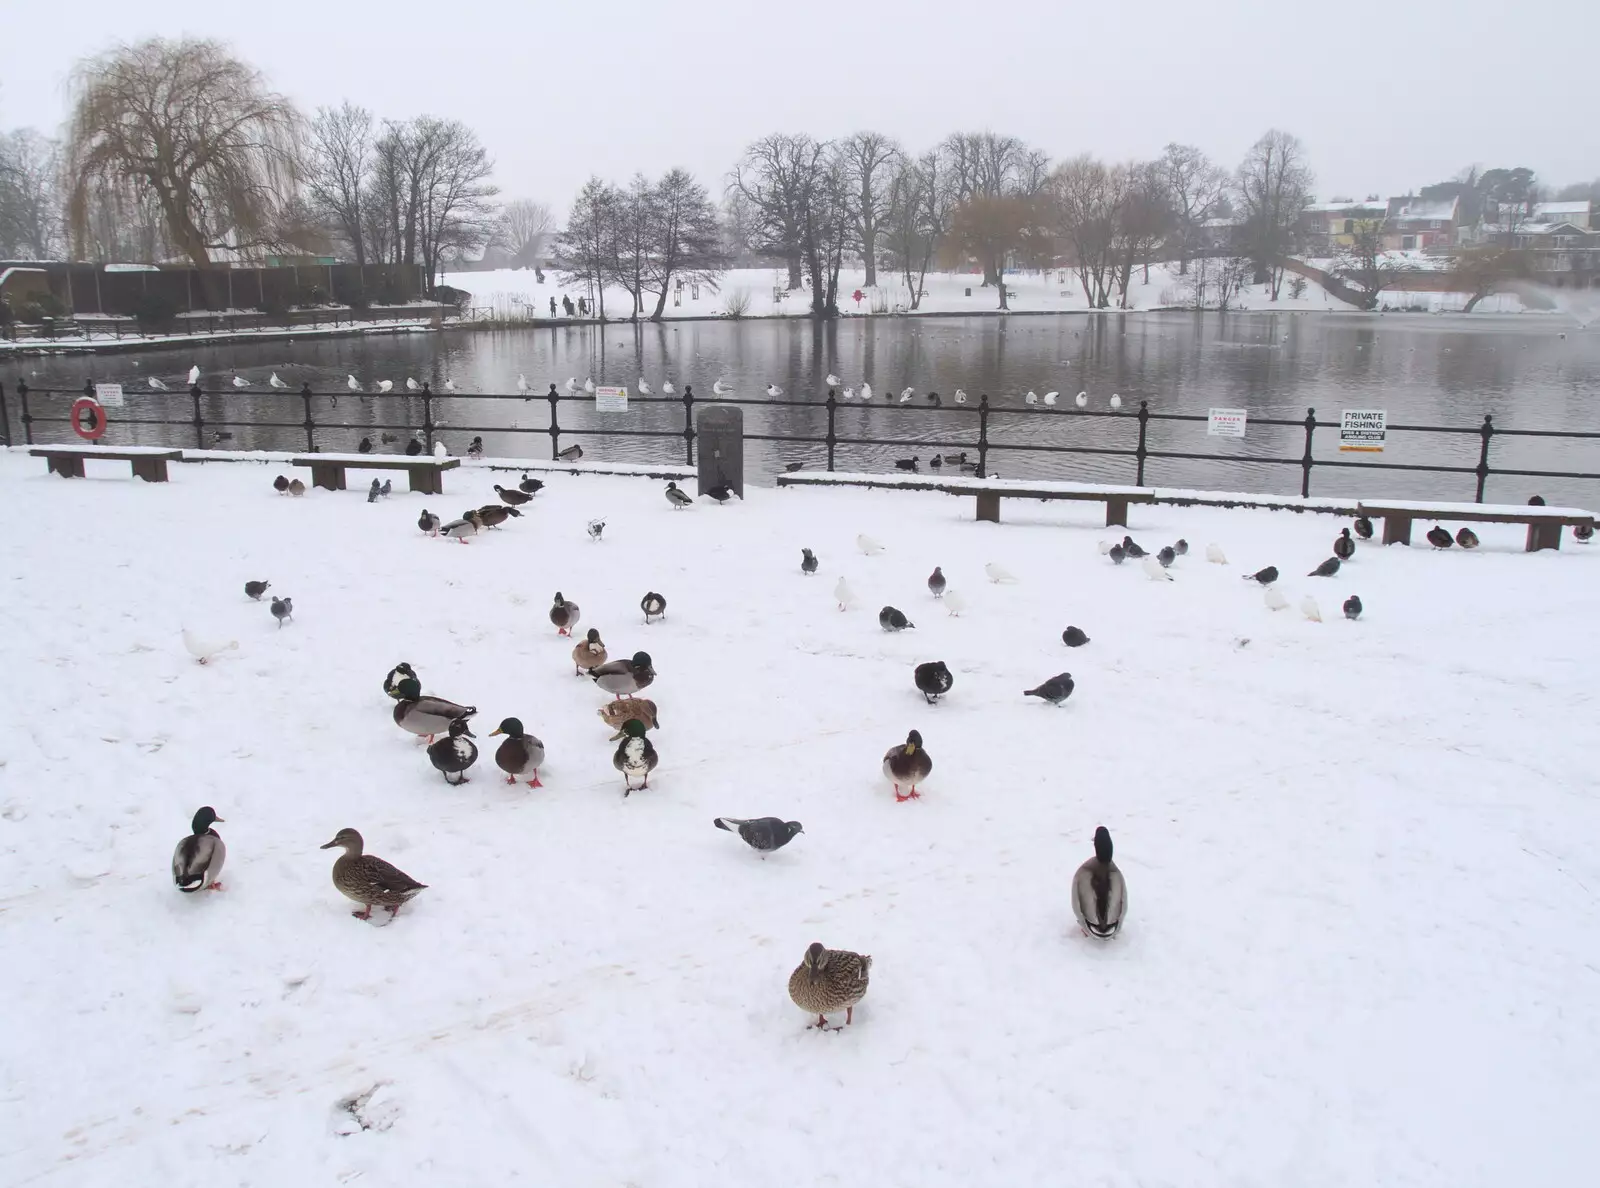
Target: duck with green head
(397, 674)
(426, 716)
(625, 677)
(455, 752)
(197, 861)
(520, 754)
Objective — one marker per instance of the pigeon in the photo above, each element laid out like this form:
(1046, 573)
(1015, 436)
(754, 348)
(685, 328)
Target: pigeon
(998, 573)
(1466, 538)
(387, 489)
(1132, 549)
(387, 438)
(906, 394)
(1215, 555)
(1344, 547)
(412, 385)
(907, 463)
(678, 498)
(385, 385)
(205, 650)
(372, 492)
(1327, 569)
(762, 834)
(936, 582)
(475, 449)
(1364, 528)
(844, 595)
(1439, 538)
(1074, 637)
(868, 546)
(1116, 401)
(364, 446)
(240, 382)
(907, 763)
(644, 388)
(1180, 547)
(1274, 599)
(156, 385)
(1117, 554)
(280, 484)
(283, 610)
(428, 522)
(1310, 609)
(654, 607)
(891, 619)
(1583, 533)
(255, 589)
(1056, 690)
(866, 391)
(933, 680)
(720, 389)
(296, 488)
(1031, 397)
(351, 383)
(1050, 398)
(510, 497)
(808, 562)
(722, 492)
(831, 380)
(571, 454)
(1167, 556)
(1081, 399)
(414, 446)
(194, 375)
(774, 391)
(595, 528)
(531, 485)
(1264, 576)
(1352, 607)
(1099, 895)
(954, 603)
(1154, 570)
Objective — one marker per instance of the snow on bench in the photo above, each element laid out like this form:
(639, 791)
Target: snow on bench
(1544, 523)
(149, 462)
(426, 474)
(989, 492)
(679, 473)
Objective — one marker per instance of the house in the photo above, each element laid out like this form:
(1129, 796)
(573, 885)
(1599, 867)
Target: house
(1578, 214)
(1332, 226)
(1563, 255)
(1415, 224)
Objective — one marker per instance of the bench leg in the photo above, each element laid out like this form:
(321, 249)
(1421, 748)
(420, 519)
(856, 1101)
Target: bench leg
(428, 482)
(327, 475)
(1116, 513)
(1397, 530)
(989, 506)
(151, 470)
(1543, 536)
(65, 467)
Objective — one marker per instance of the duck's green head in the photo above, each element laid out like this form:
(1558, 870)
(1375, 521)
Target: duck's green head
(204, 819)
(913, 742)
(633, 728)
(511, 727)
(409, 689)
(641, 660)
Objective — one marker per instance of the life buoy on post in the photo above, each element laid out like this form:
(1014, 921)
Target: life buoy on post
(88, 405)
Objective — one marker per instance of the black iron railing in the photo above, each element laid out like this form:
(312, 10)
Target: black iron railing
(977, 426)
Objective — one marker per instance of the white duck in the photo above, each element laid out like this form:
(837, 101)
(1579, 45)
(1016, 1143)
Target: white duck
(205, 650)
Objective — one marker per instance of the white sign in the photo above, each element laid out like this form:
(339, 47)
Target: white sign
(611, 400)
(1226, 422)
(109, 395)
(1362, 430)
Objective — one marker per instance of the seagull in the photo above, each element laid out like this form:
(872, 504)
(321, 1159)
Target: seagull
(240, 382)
(1215, 555)
(522, 384)
(411, 384)
(720, 388)
(849, 393)
(954, 603)
(1031, 398)
(274, 382)
(350, 382)
(588, 385)
(868, 546)
(205, 650)
(194, 375)
(961, 397)
(905, 396)
(831, 380)
(156, 385)
(866, 391)
(449, 385)
(572, 384)
(1050, 398)
(1081, 399)
(666, 388)
(644, 388)
(774, 391)
(844, 595)
(1274, 599)
(998, 573)
(1310, 609)
(1154, 570)
(1116, 401)
(385, 385)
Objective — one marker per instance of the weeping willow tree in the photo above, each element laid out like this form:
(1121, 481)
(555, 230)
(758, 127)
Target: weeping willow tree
(193, 127)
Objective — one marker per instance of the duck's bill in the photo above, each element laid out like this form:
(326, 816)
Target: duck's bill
(329, 845)
(495, 731)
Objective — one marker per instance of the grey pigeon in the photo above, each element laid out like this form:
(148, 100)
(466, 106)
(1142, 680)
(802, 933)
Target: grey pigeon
(891, 619)
(256, 589)
(1264, 576)
(1167, 556)
(1131, 549)
(1056, 690)
(1180, 547)
(1352, 607)
(1327, 569)
(1074, 637)
(808, 562)
(282, 608)
(765, 834)
(373, 492)
(936, 582)
(387, 489)
(1117, 554)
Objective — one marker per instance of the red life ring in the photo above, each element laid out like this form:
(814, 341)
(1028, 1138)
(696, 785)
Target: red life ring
(88, 404)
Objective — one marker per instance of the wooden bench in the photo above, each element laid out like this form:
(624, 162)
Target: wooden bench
(149, 462)
(1544, 523)
(426, 474)
(989, 492)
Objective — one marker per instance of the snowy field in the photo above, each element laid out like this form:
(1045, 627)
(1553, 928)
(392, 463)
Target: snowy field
(1362, 947)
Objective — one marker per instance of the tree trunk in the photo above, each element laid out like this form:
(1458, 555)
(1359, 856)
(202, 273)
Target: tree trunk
(1472, 302)
(1000, 281)
(991, 275)
(661, 299)
(794, 272)
(869, 241)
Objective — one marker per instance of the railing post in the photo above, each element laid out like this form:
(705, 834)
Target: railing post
(5, 418)
(199, 421)
(555, 424)
(1305, 458)
(983, 435)
(833, 438)
(27, 416)
(427, 413)
(688, 424)
(1486, 430)
(310, 424)
(1141, 453)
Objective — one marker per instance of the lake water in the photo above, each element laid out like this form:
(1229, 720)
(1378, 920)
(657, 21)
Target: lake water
(1530, 372)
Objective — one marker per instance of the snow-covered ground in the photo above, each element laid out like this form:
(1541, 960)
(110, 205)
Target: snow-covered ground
(511, 294)
(1362, 945)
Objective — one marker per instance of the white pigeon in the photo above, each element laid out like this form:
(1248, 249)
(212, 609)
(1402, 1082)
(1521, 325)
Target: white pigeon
(1154, 571)
(194, 375)
(439, 451)
(844, 595)
(449, 385)
(998, 573)
(905, 396)
(953, 602)
(385, 385)
(1050, 398)
(961, 397)
(1274, 599)
(204, 650)
(831, 380)
(1215, 555)
(411, 384)
(240, 382)
(588, 385)
(774, 391)
(1105, 547)
(666, 388)
(849, 393)
(274, 382)
(644, 388)
(350, 382)
(1081, 399)
(522, 383)
(156, 385)
(1116, 401)
(866, 391)
(720, 388)
(868, 546)
(572, 384)
(1310, 609)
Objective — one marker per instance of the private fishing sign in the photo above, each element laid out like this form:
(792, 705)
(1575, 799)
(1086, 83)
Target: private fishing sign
(1362, 430)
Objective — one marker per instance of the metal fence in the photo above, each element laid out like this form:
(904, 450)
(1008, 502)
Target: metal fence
(976, 428)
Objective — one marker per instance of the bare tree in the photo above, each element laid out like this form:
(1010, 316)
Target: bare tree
(686, 238)
(633, 240)
(1086, 200)
(1273, 185)
(1144, 220)
(338, 162)
(983, 166)
(525, 228)
(1365, 267)
(30, 199)
(1479, 271)
(1194, 187)
(456, 211)
(920, 202)
(869, 160)
(991, 227)
(195, 125)
(776, 180)
(586, 248)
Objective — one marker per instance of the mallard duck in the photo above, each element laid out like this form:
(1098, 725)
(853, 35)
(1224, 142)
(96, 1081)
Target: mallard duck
(296, 488)
(429, 523)
(635, 757)
(907, 764)
(829, 980)
(1344, 545)
(514, 498)
(564, 615)
(1439, 538)
(454, 753)
(678, 499)
(1099, 895)
(368, 879)
(1466, 538)
(571, 454)
(426, 716)
(1364, 528)
(520, 754)
(467, 525)
(654, 606)
(493, 516)
(589, 653)
(398, 674)
(531, 485)
(620, 677)
(197, 862)
(615, 713)
(280, 484)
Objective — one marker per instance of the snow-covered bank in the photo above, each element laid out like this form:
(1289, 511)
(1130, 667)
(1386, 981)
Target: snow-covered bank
(105, 342)
(1363, 933)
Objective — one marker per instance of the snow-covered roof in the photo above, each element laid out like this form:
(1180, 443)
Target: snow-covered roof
(1549, 211)
(1423, 208)
(1347, 207)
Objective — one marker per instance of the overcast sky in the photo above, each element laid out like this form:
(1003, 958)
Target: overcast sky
(1386, 96)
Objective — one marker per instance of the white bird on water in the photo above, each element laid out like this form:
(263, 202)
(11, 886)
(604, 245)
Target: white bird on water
(831, 380)
(1215, 555)
(961, 397)
(720, 388)
(644, 388)
(588, 385)
(1116, 401)
(240, 382)
(844, 595)
(998, 573)
(666, 388)
(905, 395)
(350, 382)
(868, 546)
(774, 391)
(954, 603)
(194, 375)
(1154, 571)
(411, 384)
(1031, 398)
(274, 382)
(522, 383)
(1050, 398)
(204, 650)
(1081, 399)
(385, 385)
(156, 385)
(1310, 609)
(866, 391)
(1274, 599)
